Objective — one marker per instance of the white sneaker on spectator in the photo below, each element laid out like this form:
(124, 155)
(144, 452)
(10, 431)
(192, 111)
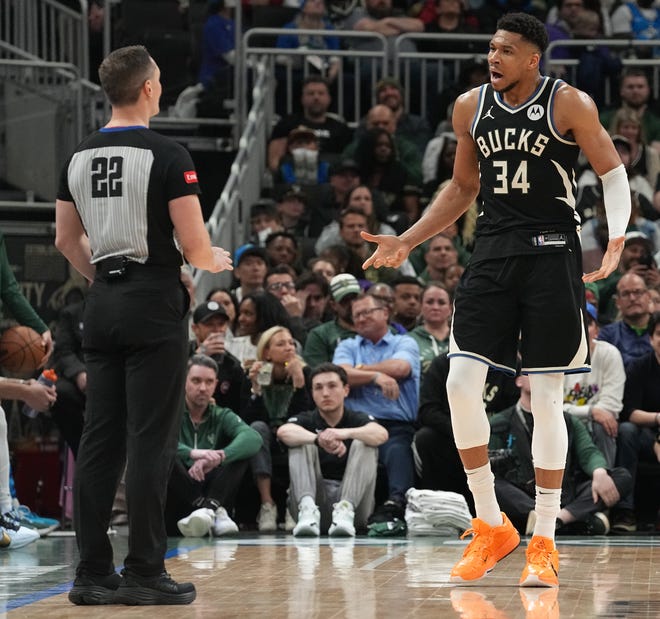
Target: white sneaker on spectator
(289, 522)
(309, 521)
(18, 535)
(197, 524)
(223, 524)
(343, 520)
(267, 518)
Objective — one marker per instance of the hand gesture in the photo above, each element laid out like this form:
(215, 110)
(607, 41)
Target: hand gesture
(388, 386)
(331, 444)
(294, 369)
(222, 260)
(294, 304)
(391, 251)
(602, 485)
(214, 344)
(610, 261)
(39, 396)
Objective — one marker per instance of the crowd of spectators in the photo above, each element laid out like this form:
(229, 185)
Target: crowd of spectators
(300, 301)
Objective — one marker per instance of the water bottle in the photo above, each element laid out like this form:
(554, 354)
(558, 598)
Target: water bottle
(47, 377)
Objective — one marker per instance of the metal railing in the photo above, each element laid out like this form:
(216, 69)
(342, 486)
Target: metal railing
(375, 63)
(227, 225)
(47, 30)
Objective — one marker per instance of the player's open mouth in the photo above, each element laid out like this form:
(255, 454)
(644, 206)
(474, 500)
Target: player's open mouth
(495, 75)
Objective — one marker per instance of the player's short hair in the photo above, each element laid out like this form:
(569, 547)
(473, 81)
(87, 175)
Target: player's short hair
(328, 367)
(123, 72)
(527, 26)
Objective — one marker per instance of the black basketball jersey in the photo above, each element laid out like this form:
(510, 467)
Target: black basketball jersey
(121, 181)
(528, 185)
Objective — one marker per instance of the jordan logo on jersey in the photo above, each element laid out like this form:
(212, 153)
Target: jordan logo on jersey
(488, 114)
(535, 112)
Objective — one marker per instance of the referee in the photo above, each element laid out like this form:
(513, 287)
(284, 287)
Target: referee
(127, 209)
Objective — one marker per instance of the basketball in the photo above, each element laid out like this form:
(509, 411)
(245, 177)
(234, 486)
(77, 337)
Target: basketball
(21, 350)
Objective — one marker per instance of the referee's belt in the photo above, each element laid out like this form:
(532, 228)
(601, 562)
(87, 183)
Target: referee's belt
(117, 267)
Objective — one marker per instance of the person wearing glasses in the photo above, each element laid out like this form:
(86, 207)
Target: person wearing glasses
(383, 373)
(629, 333)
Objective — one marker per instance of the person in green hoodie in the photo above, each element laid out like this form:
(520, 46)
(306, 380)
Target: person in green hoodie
(589, 486)
(213, 453)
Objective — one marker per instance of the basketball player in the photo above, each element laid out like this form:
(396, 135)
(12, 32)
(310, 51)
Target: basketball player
(518, 141)
(125, 193)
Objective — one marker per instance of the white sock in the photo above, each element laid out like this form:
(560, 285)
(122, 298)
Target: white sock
(548, 504)
(306, 501)
(481, 482)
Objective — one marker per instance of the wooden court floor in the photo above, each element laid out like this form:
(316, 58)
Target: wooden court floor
(278, 576)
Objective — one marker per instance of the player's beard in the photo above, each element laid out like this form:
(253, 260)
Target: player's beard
(511, 86)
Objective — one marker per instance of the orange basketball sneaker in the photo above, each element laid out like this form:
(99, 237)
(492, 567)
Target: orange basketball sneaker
(488, 546)
(542, 569)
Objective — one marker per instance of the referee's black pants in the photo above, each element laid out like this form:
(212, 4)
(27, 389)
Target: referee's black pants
(135, 344)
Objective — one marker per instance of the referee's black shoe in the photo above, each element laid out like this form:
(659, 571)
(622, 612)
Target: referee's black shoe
(91, 590)
(139, 591)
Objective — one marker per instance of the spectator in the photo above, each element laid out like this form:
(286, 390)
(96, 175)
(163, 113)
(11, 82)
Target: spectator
(280, 390)
(640, 188)
(453, 275)
(292, 211)
(257, 312)
(439, 256)
(382, 169)
(381, 117)
(333, 134)
(639, 421)
(280, 282)
(562, 28)
(412, 128)
(311, 16)
(302, 164)
(637, 258)
(218, 39)
(314, 289)
(360, 197)
(68, 409)
(596, 397)
(322, 340)
(432, 335)
(589, 486)
(212, 457)
(635, 93)
(437, 463)
(644, 160)
(265, 218)
(638, 20)
(327, 199)
(596, 63)
(282, 248)
(250, 271)
(629, 334)
(407, 301)
(322, 267)
(383, 373)
(226, 298)
(210, 324)
(333, 459)
(438, 162)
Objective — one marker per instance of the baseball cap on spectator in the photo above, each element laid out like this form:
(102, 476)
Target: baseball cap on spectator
(293, 193)
(249, 250)
(207, 310)
(639, 237)
(592, 311)
(345, 165)
(342, 285)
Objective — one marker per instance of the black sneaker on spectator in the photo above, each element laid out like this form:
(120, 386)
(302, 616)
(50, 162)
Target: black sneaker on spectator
(94, 590)
(624, 521)
(387, 520)
(597, 524)
(159, 590)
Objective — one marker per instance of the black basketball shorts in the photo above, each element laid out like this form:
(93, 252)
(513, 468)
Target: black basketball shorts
(528, 303)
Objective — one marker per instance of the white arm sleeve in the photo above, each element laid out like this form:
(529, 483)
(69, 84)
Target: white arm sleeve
(616, 195)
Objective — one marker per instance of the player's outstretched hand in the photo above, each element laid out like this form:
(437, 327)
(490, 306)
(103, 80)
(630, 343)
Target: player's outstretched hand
(222, 260)
(610, 260)
(391, 251)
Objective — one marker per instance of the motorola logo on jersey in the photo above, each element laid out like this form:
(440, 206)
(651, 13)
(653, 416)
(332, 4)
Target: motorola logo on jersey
(535, 112)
